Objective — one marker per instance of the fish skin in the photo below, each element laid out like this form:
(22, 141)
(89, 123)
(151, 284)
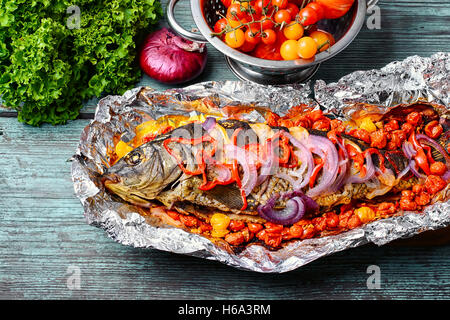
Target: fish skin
(157, 176)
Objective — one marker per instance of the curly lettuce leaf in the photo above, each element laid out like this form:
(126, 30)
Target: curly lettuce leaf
(47, 69)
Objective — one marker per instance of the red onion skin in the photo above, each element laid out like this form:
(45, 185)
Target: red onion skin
(171, 59)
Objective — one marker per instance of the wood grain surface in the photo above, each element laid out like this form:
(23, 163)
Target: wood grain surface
(44, 236)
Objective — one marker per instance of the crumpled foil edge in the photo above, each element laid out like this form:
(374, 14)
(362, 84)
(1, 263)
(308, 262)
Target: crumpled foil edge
(126, 225)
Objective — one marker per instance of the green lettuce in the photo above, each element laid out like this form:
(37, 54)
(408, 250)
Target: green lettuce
(50, 65)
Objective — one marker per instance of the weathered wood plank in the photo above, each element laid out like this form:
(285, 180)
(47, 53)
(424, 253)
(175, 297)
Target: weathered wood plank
(43, 232)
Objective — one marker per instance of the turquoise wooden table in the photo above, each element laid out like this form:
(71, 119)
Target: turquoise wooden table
(45, 241)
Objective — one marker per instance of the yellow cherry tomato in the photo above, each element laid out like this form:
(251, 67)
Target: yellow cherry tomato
(368, 125)
(293, 31)
(306, 48)
(219, 223)
(288, 50)
(322, 39)
(235, 38)
(365, 214)
(233, 23)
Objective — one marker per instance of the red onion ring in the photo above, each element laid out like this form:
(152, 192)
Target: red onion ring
(305, 156)
(247, 160)
(311, 206)
(427, 140)
(327, 150)
(408, 150)
(293, 212)
(404, 172)
(209, 124)
(268, 165)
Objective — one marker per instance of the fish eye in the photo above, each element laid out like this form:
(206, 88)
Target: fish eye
(133, 158)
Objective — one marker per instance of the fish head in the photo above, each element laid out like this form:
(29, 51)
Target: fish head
(142, 174)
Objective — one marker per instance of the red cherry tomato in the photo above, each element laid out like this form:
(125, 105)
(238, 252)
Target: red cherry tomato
(220, 25)
(247, 47)
(260, 5)
(269, 36)
(226, 3)
(282, 16)
(270, 51)
(281, 4)
(308, 16)
(252, 36)
(293, 10)
(267, 23)
(317, 7)
(234, 11)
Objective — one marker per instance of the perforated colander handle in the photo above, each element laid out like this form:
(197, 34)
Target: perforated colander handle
(193, 36)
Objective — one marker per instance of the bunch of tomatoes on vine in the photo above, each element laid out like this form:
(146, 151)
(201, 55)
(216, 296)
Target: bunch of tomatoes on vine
(279, 29)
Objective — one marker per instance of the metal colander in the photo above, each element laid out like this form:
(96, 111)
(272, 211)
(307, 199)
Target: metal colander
(211, 10)
(247, 67)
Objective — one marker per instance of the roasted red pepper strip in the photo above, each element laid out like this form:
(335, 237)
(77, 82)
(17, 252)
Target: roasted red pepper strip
(422, 161)
(202, 139)
(314, 174)
(356, 156)
(420, 158)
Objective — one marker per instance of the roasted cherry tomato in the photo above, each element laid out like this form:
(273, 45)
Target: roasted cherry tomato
(438, 168)
(226, 3)
(433, 129)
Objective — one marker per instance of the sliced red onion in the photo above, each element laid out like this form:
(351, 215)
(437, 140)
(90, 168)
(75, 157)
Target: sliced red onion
(305, 157)
(286, 177)
(311, 206)
(446, 175)
(223, 172)
(370, 172)
(247, 160)
(404, 171)
(413, 168)
(267, 167)
(408, 150)
(344, 166)
(209, 124)
(293, 212)
(327, 150)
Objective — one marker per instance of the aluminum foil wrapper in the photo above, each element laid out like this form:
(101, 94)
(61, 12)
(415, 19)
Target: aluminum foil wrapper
(407, 81)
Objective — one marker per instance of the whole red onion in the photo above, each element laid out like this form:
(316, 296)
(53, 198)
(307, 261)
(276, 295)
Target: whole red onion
(169, 58)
